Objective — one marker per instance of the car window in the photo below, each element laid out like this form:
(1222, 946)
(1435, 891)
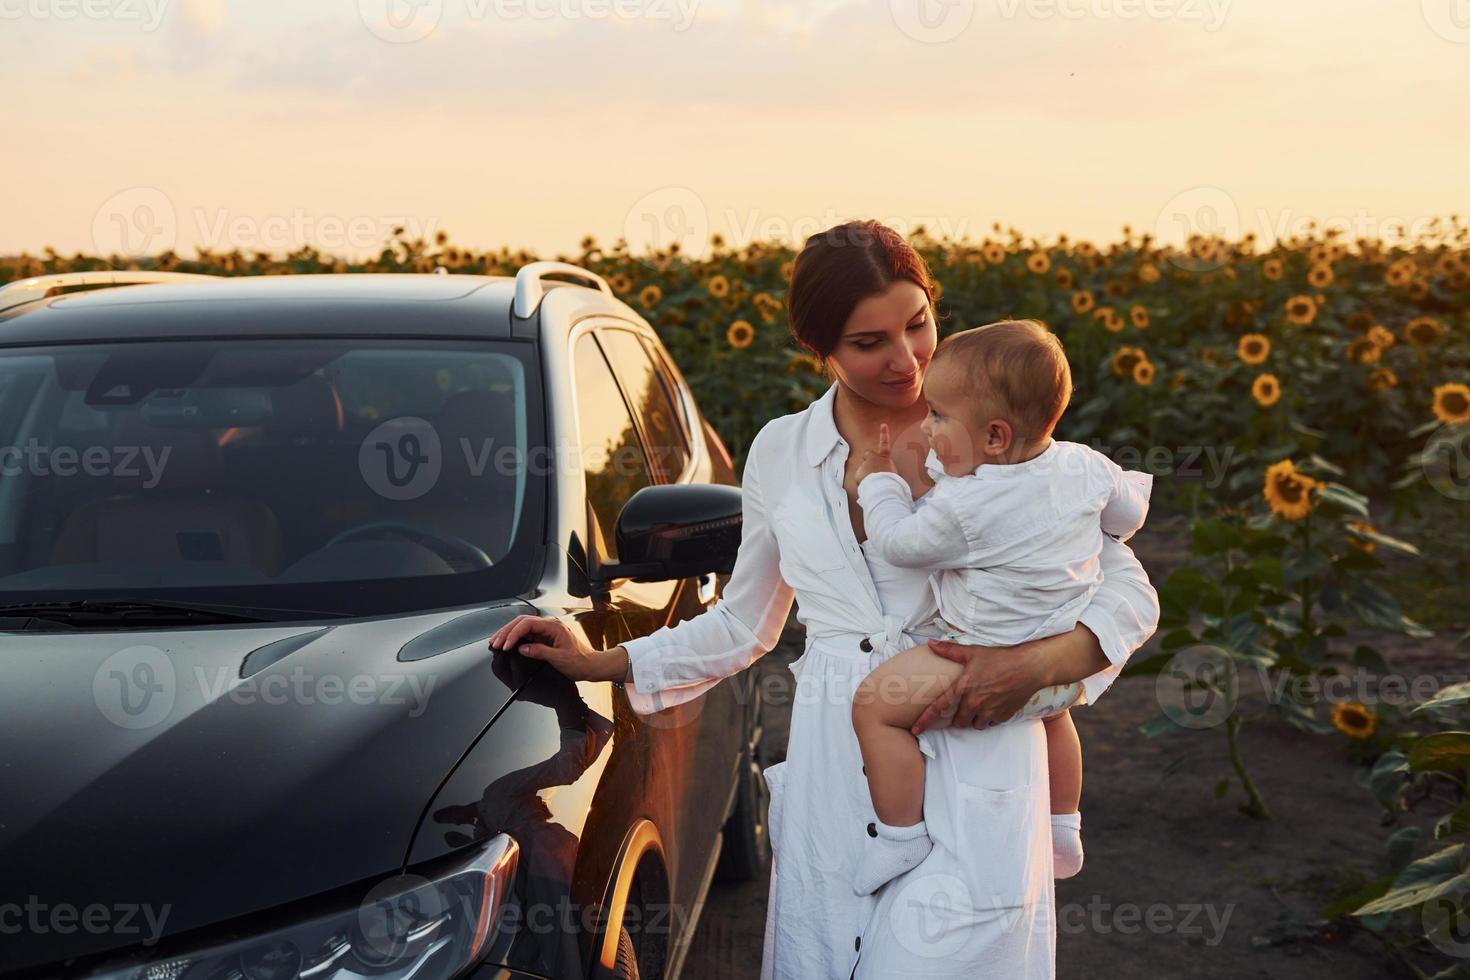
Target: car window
(664, 437)
(612, 458)
(338, 474)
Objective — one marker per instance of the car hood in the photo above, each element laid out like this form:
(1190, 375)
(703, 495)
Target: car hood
(216, 772)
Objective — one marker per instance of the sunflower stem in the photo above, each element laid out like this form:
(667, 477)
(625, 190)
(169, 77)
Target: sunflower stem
(1254, 805)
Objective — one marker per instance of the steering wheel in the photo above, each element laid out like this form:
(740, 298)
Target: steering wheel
(445, 545)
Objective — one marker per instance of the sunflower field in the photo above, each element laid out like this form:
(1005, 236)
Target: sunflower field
(1305, 409)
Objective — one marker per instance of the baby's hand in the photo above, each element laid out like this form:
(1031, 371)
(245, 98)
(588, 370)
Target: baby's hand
(879, 460)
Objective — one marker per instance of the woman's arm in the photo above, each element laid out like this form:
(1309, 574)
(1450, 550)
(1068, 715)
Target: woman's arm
(678, 663)
(998, 681)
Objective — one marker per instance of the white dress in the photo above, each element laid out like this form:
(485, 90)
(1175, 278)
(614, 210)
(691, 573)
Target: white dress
(982, 903)
(797, 542)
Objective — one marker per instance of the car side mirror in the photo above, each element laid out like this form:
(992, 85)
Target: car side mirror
(677, 531)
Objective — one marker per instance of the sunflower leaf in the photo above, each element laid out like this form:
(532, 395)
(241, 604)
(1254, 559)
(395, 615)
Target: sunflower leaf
(1440, 752)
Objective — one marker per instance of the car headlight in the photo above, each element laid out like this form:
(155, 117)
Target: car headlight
(407, 926)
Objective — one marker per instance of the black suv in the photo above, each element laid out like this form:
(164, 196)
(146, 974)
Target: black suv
(254, 534)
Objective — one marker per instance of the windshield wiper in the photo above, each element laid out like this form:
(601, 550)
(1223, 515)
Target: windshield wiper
(148, 612)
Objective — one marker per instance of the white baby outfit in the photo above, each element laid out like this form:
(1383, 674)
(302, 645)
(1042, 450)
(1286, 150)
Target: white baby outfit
(1015, 547)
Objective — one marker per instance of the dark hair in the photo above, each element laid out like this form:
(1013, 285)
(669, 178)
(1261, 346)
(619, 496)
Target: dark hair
(839, 268)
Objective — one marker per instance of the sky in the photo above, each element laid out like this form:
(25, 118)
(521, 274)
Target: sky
(140, 125)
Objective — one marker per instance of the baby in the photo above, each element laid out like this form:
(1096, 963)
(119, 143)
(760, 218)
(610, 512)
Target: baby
(1013, 529)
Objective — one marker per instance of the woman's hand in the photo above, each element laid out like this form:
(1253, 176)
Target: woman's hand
(879, 460)
(998, 681)
(558, 646)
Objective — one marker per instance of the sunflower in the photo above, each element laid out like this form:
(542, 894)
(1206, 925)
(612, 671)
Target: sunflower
(804, 362)
(718, 286)
(1401, 273)
(1114, 289)
(1381, 336)
(1360, 321)
(1301, 310)
(1207, 356)
(1354, 719)
(1148, 273)
(1320, 276)
(1125, 358)
(740, 334)
(787, 268)
(1288, 492)
(650, 295)
(1177, 381)
(994, 253)
(1318, 253)
(1359, 540)
(1362, 350)
(1266, 390)
(1082, 301)
(620, 283)
(1039, 263)
(1271, 269)
(1381, 379)
(1109, 318)
(1139, 316)
(1253, 348)
(1452, 403)
(768, 305)
(1143, 373)
(1065, 279)
(1423, 330)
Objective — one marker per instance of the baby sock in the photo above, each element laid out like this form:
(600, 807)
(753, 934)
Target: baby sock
(888, 852)
(1066, 844)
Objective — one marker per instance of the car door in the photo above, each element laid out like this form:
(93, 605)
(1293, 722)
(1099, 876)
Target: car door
(707, 750)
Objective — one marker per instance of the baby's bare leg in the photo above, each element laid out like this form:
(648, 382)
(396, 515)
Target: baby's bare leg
(885, 706)
(1064, 762)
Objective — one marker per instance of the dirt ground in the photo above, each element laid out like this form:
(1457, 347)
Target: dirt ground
(1178, 883)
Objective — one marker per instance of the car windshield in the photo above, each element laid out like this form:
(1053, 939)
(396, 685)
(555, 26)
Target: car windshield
(356, 476)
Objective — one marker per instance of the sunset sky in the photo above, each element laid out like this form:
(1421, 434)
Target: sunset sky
(138, 125)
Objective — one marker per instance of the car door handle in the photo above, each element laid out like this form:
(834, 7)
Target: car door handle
(707, 588)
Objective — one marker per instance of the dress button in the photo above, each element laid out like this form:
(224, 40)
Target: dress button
(872, 830)
(866, 645)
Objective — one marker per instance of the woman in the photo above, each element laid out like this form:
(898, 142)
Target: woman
(861, 299)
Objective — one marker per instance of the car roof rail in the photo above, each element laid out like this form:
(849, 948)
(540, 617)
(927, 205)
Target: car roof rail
(28, 290)
(530, 288)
